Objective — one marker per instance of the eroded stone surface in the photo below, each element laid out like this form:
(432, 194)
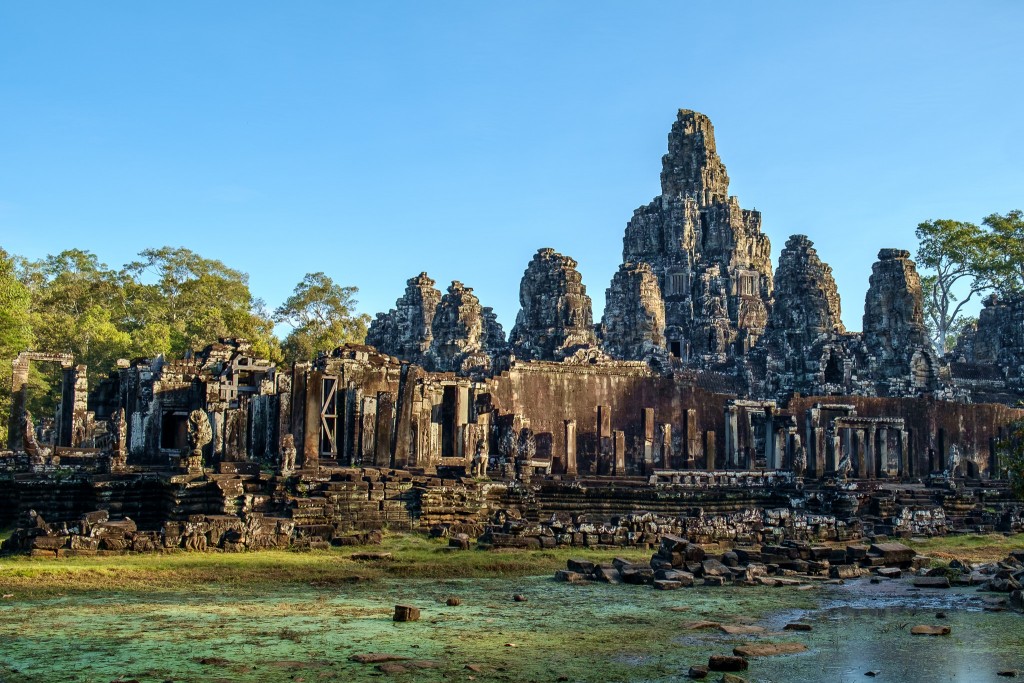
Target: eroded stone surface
(556, 319)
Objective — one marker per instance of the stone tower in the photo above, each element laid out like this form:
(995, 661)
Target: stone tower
(556, 318)
(633, 327)
(894, 331)
(466, 336)
(405, 331)
(709, 255)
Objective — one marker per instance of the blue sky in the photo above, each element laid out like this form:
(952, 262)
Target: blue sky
(376, 140)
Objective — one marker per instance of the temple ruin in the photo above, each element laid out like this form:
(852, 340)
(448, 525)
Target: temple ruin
(710, 383)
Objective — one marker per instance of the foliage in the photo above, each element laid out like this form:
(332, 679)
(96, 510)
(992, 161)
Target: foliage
(1003, 267)
(955, 252)
(189, 301)
(322, 315)
(1011, 457)
(15, 331)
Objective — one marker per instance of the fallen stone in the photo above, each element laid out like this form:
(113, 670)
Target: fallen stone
(844, 571)
(453, 601)
(1008, 673)
(580, 566)
(607, 575)
(796, 626)
(931, 582)
(893, 553)
(569, 576)
(519, 597)
(730, 678)
(727, 663)
(369, 557)
(376, 658)
(768, 649)
(890, 572)
(701, 625)
(665, 585)
(925, 630)
(406, 613)
(698, 672)
(739, 629)
(714, 581)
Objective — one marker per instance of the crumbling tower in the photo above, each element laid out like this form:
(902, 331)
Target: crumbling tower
(709, 255)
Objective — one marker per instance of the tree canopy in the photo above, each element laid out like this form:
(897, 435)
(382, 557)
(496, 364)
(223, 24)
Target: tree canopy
(15, 330)
(961, 260)
(168, 301)
(322, 316)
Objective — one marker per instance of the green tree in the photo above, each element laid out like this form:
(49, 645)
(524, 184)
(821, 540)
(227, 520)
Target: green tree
(956, 253)
(1003, 264)
(15, 331)
(322, 316)
(79, 306)
(185, 301)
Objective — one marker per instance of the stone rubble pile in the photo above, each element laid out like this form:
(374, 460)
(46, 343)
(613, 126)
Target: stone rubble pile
(679, 563)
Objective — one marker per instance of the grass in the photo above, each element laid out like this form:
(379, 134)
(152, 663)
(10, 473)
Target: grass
(969, 547)
(413, 556)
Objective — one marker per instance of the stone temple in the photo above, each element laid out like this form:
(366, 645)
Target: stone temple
(711, 393)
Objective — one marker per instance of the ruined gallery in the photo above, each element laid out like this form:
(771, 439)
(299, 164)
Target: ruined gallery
(716, 398)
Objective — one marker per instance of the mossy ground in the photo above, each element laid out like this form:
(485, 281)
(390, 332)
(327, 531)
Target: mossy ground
(285, 616)
(969, 547)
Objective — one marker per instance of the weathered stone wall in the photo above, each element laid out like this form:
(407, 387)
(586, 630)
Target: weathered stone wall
(545, 396)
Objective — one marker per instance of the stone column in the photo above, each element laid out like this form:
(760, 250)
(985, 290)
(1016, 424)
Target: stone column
(732, 447)
(385, 428)
(870, 452)
(570, 448)
(19, 396)
(861, 454)
(883, 450)
(369, 431)
(314, 404)
(605, 447)
(906, 464)
(620, 452)
(769, 439)
(667, 456)
(710, 451)
(647, 419)
(691, 443)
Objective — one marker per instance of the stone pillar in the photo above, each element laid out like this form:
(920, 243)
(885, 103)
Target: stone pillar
(385, 428)
(710, 451)
(570, 448)
(837, 449)
(860, 454)
(870, 452)
(781, 441)
(605, 446)
(769, 439)
(369, 431)
(883, 450)
(691, 443)
(732, 447)
(667, 457)
(19, 396)
(906, 464)
(819, 462)
(649, 456)
(314, 404)
(620, 452)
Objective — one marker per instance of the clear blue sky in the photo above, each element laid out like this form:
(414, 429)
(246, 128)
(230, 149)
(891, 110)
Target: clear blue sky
(376, 140)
